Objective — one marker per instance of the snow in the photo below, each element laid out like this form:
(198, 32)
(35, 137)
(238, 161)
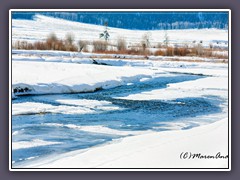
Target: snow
(149, 150)
(15, 133)
(153, 150)
(110, 59)
(143, 150)
(83, 102)
(82, 107)
(217, 86)
(39, 28)
(66, 75)
(56, 72)
(49, 77)
(30, 144)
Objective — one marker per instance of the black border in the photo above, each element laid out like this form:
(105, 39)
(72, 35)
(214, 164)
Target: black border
(5, 5)
(121, 169)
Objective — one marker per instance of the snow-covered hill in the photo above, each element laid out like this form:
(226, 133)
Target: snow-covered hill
(39, 28)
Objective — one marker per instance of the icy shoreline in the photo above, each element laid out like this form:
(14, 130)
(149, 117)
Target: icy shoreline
(150, 150)
(154, 150)
(56, 78)
(58, 75)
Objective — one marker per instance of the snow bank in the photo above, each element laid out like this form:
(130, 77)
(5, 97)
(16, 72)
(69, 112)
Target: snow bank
(82, 107)
(65, 56)
(151, 150)
(217, 86)
(154, 150)
(33, 143)
(49, 77)
(110, 59)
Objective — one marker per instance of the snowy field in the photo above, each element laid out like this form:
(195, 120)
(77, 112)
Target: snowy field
(69, 112)
(39, 28)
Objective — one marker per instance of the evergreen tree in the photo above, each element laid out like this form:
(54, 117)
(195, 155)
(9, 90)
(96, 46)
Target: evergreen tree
(105, 33)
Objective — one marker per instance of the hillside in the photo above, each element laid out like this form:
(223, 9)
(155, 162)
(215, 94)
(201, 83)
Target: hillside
(141, 20)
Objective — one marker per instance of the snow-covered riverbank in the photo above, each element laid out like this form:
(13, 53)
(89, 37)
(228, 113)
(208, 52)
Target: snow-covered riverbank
(143, 150)
(49, 77)
(170, 149)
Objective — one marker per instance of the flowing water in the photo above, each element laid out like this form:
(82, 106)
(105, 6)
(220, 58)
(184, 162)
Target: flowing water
(70, 132)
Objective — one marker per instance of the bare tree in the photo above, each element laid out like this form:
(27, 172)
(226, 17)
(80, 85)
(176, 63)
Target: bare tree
(121, 44)
(166, 39)
(146, 40)
(51, 41)
(82, 45)
(69, 38)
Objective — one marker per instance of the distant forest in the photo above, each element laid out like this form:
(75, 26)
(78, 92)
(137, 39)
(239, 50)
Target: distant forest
(141, 20)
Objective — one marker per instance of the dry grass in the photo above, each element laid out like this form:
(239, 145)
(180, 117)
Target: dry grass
(175, 51)
(159, 53)
(131, 51)
(100, 46)
(53, 43)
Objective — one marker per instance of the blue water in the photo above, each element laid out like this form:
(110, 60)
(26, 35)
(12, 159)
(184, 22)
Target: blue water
(133, 115)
